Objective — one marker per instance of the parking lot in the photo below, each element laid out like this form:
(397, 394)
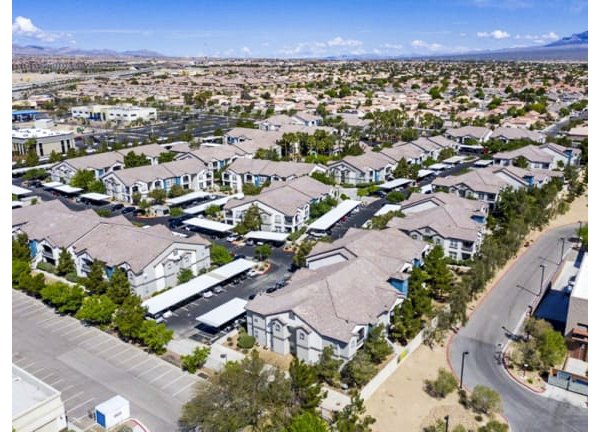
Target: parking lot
(89, 366)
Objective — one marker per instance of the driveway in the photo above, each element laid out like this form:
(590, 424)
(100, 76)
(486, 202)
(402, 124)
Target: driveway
(489, 329)
(89, 366)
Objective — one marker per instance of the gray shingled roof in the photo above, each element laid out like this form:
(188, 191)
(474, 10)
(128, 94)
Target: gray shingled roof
(531, 152)
(516, 133)
(150, 173)
(270, 168)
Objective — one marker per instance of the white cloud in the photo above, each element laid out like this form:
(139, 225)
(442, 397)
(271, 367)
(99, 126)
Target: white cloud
(496, 34)
(393, 46)
(419, 44)
(338, 41)
(24, 27)
(542, 38)
(462, 34)
(245, 50)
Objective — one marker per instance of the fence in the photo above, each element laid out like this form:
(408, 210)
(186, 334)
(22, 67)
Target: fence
(565, 381)
(395, 362)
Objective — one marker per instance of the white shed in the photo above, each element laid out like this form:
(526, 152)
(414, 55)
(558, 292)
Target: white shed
(112, 412)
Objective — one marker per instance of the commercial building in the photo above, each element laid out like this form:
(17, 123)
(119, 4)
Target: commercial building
(36, 407)
(43, 141)
(120, 113)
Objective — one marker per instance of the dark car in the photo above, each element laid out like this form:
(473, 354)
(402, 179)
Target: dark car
(252, 296)
(271, 289)
(139, 212)
(116, 207)
(127, 210)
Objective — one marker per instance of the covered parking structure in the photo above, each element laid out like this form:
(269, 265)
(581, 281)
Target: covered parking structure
(223, 315)
(188, 199)
(207, 225)
(333, 216)
(202, 207)
(94, 198)
(267, 236)
(184, 293)
(67, 190)
(400, 183)
(20, 171)
(19, 191)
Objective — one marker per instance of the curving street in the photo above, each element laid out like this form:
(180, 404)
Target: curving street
(488, 331)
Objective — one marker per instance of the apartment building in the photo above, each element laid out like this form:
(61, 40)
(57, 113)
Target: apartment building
(464, 134)
(507, 134)
(258, 172)
(151, 257)
(190, 174)
(370, 167)
(121, 113)
(548, 156)
(283, 206)
(457, 224)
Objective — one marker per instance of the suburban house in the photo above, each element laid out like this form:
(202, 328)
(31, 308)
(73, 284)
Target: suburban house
(152, 257)
(546, 156)
(410, 152)
(192, 174)
(379, 246)
(431, 146)
(369, 167)
(334, 306)
(457, 224)
(284, 206)
(102, 163)
(259, 172)
(463, 134)
(507, 134)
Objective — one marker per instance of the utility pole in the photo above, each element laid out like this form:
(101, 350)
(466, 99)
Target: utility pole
(542, 280)
(462, 367)
(562, 250)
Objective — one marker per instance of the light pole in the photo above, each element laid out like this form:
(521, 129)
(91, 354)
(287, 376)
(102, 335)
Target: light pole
(562, 250)
(542, 280)
(462, 367)
(447, 418)
(579, 234)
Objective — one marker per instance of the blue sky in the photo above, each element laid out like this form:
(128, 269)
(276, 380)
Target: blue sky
(266, 28)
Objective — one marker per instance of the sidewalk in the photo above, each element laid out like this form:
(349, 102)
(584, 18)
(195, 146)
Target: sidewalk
(556, 393)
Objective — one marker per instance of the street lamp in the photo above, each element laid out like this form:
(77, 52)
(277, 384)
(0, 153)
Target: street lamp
(579, 234)
(462, 367)
(562, 250)
(447, 418)
(542, 280)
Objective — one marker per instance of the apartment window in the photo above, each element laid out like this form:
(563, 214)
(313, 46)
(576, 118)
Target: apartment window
(301, 335)
(453, 255)
(41, 149)
(277, 327)
(453, 244)
(292, 316)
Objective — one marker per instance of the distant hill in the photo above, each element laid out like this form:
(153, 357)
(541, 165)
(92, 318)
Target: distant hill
(66, 51)
(574, 39)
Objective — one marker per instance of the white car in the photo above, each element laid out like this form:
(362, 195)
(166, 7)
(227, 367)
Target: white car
(218, 290)
(208, 294)
(232, 238)
(252, 273)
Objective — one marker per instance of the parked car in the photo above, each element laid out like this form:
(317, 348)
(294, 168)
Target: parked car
(271, 289)
(167, 314)
(252, 273)
(139, 212)
(252, 296)
(208, 294)
(128, 210)
(233, 238)
(116, 207)
(218, 290)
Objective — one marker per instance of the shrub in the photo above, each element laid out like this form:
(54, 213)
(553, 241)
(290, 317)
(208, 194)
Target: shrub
(444, 384)
(493, 426)
(47, 267)
(103, 212)
(485, 400)
(463, 398)
(195, 360)
(72, 277)
(246, 341)
(479, 418)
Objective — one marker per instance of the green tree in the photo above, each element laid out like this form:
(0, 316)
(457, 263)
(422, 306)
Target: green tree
(194, 361)
(32, 158)
(82, 179)
(305, 385)
(158, 195)
(250, 189)
(446, 153)
(212, 211)
(136, 197)
(493, 426)
(54, 157)
(263, 252)
(19, 268)
(521, 162)
(185, 275)
(133, 160)
(406, 170)
(307, 421)
(95, 281)
(66, 298)
(443, 385)
(552, 348)
(328, 367)
(129, 318)
(66, 264)
(353, 417)
(250, 222)
(119, 287)
(485, 400)
(440, 277)
(96, 310)
(245, 395)
(31, 284)
(376, 346)
(395, 197)
(219, 255)
(20, 248)
(176, 191)
(358, 371)
(155, 336)
(168, 156)
(299, 258)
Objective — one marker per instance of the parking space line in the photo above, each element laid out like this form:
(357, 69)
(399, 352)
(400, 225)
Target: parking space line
(84, 334)
(66, 326)
(149, 370)
(112, 348)
(25, 365)
(34, 373)
(75, 329)
(53, 383)
(45, 377)
(119, 352)
(183, 388)
(72, 397)
(81, 404)
(140, 364)
(25, 308)
(174, 381)
(98, 345)
(160, 376)
(49, 326)
(46, 319)
(69, 387)
(137, 353)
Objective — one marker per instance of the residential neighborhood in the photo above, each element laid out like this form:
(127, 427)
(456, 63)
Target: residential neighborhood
(327, 235)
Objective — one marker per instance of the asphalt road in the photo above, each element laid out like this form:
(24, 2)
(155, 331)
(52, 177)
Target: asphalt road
(491, 326)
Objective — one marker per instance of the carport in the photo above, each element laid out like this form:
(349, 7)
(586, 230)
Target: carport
(67, 190)
(333, 216)
(396, 184)
(273, 237)
(187, 198)
(224, 314)
(209, 225)
(200, 208)
(95, 198)
(19, 191)
(184, 292)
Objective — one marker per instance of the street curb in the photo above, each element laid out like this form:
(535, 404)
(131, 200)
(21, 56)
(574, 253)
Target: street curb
(514, 378)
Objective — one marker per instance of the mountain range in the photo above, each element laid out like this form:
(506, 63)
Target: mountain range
(572, 48)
